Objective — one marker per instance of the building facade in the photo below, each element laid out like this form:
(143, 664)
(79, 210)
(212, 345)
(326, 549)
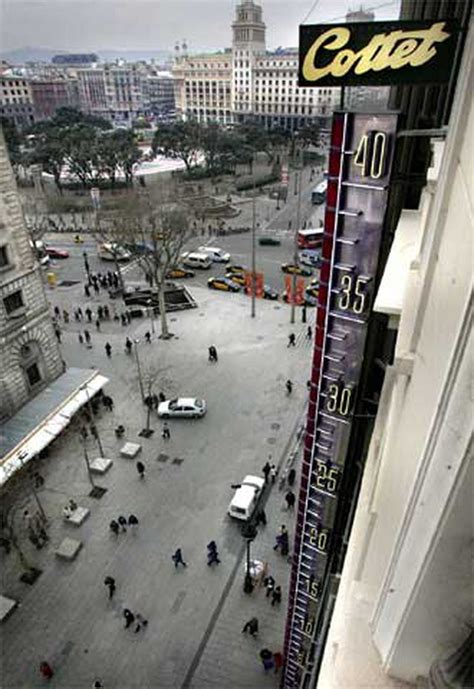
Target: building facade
(16, 100)
(249, 83)
(158, 93)
(112, 91)
(29, 353)
(49, 94)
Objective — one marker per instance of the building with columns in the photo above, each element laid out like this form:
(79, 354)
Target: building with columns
(247, 82)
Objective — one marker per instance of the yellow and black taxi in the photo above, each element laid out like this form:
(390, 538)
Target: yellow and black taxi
(293, 269)
(235, 269)
(223, 283)
(238, 278)
(178, 272)
(312, 289)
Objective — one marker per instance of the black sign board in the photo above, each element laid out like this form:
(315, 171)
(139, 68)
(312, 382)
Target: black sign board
(377, 53)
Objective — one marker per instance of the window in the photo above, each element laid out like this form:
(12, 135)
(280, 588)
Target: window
(33, 374)
(13, 302)
(3, 257)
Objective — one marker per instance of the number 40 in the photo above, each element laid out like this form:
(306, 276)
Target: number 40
(371, 154)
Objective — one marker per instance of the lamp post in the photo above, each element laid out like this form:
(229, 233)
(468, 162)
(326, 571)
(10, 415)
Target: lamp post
(298, 184)
(140, 380)
(254, 262)
(150, 312)
(249, 531)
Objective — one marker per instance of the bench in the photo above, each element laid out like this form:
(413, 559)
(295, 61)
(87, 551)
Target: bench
(130, 450)
(68, 549)
(77, 516)
(100, 465)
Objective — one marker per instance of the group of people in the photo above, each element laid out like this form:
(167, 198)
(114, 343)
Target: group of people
(120, 524)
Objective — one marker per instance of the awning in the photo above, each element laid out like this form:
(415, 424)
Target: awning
(42, 419)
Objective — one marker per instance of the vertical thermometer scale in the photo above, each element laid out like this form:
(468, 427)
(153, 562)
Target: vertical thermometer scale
(360, 160)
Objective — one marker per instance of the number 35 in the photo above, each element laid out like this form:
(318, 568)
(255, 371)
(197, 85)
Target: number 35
(351, 297)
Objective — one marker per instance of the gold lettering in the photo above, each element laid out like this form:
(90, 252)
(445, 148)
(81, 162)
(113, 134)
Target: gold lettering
(384, 51)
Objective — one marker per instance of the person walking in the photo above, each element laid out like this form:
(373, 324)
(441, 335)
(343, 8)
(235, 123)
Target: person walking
(97, 325)
(212, 554)
(276, 595)
(261, 517)
(148, 337)
(128, 345)
(266, 470)
(273, 472)
(291, 340)
(100, 313)
(252, 627)
(281, 539)
(141, 469)
(46, 669)
(110, 583)
(106, 313)
(266, 657)
(291, 477)
(87, 291)
(132, 521)
(123, 523)
(114, 527)
(57, 332)
(309, 332)
(161, 396)
(178, 558)
(66, 316)
(165, 433)
(108, 349)
(129, 617)
(303, 314)
(89, 315)
(290, 499)
(80, 338)
(154, 401)
(213, 354)
(269, 583)
(289, 387)
(141, 622)
(87, 337)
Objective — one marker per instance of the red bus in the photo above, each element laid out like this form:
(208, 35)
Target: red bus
(310, 239)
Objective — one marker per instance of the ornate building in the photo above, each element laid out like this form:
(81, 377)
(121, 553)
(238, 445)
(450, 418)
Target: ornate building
(29, 352)
(247, 82)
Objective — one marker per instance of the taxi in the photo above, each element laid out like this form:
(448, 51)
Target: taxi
(293, 269)
(235, 269)
(223, 283)
(238, 278)
(178, 272)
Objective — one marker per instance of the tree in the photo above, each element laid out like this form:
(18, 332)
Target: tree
(13, 142)
(309, 135)
(49, 151)
(81, 153)
(180, 140)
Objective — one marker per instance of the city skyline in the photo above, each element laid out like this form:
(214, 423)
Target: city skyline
(147, 25)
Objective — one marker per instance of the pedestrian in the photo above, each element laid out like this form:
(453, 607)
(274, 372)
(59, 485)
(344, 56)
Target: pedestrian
(123, 522)
(309, 332)
(165, 433)
(128, 316)
(252, 627)
(100, 313)
(280, 538)
(110, 583)
(284, 543)
(46, 669)
(273, 472)
(303, 314)
(212, 554)
(65, 316)
(80, 314)
(267, 659)
(291, 340)
(178, 558)
(81, 339)
(97, 325)
(290, 499)
(148, 337)
(154, 401)
(123, 319)
(57, 312)
(87, 336)
(76, 315)
(141, 469)
(308, 385)
(128, 345)
(291, 477)
(269, 583)
(106, 313)
(89, 315)
(161, 396)
(266, 470)
(108, 349)
(278, 660)
(87, 291)
(57, 332)
(212, 353)
(97, 684)
(141, 622)
(261, 517)
(132, 521)
(276, 595)
(108, 402)
(96, 288)
(289, 387)
(129, 617)
(114, 527)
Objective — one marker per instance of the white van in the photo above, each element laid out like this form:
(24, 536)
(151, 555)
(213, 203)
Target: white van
(246, 497)
(217, 255)
(194, 259)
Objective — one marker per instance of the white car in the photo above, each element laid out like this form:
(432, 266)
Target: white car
(189, 407)
(215, 254)
(246, 497)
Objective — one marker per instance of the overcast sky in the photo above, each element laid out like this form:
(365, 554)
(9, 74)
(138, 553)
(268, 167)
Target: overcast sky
(156, 24)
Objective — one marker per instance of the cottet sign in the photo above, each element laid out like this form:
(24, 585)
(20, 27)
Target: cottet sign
(376, 53)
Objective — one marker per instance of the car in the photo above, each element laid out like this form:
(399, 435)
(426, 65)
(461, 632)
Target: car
(312, 291)
(52, 252)
(269, 293)
(235, 269)
(182, 407)
(311, 258)
(194, 259)
(238, 278)
(177, 272)
(215, 254)
(246, 497)
(268, 241)
(293, 269)
(224, 284)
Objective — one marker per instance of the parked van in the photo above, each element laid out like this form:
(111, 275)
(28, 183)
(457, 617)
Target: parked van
(217, 255)
(246, 497)
(192, 259)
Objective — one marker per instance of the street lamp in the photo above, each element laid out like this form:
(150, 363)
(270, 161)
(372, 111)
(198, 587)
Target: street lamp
(249, 531)
(298, 181)
(150, 312)
(140, 381)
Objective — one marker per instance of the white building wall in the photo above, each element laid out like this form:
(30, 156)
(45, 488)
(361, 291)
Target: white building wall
(406, 590)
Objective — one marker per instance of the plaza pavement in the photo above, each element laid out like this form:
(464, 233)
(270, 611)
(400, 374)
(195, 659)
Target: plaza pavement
(195, 614)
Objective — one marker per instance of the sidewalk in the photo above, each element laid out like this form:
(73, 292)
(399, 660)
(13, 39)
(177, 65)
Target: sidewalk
(66, 617)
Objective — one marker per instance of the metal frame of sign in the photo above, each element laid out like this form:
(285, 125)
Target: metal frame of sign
(360, 160)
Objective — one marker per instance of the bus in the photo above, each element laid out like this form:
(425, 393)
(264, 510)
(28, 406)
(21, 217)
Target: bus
(318, 195)
(310, 238)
